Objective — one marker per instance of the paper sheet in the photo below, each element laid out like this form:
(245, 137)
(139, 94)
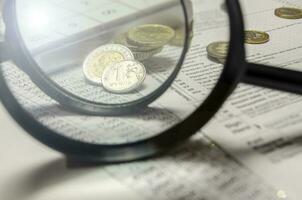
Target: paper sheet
(262, 127)
(264, 152)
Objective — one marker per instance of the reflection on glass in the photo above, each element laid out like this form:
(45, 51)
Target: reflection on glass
(116, 52)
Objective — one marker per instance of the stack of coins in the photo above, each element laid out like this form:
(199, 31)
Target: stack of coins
(116, 66)
(146, 40)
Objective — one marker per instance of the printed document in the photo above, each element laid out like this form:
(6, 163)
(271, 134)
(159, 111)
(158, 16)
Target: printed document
(251, 150)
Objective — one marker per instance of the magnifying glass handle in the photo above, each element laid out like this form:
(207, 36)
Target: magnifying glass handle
(274, 78)
(4, 52)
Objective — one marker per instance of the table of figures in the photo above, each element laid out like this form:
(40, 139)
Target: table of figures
(46, 21)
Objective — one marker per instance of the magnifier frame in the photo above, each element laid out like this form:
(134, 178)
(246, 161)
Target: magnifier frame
(27, 64)
(230, 77)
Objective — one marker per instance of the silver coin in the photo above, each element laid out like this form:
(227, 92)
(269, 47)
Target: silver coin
(123, 77)
(100, 58)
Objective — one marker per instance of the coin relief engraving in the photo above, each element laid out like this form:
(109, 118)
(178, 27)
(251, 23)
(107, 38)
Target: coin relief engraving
(103, 56)
(124, 76)
(256, 37)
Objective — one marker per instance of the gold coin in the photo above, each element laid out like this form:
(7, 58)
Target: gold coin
(101, 61)
(150, 35)
(96, 62)
(218, 50)
(256, 37)
(288, 13)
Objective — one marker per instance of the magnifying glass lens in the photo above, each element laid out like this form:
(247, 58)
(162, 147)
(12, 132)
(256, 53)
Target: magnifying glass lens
(105, 52)
(114, 53)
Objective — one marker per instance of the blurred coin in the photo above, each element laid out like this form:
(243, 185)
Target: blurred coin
(218, 50)
(256, 37)
(124, 76)
(101, 57)
(221, 60)
(150, 35)
(224, 7)
(122, 39)
(179, 38)
(289, 13)
(217, 60)
(140, 53)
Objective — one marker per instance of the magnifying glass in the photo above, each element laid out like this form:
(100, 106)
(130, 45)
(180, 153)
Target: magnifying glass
(115, 81)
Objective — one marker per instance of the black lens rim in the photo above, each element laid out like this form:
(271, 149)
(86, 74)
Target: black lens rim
(232, 73)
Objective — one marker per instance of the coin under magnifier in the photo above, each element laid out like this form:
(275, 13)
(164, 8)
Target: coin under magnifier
(124, 76)
(103, 56)
(150, 35)
(140, 53)
(122, 39)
